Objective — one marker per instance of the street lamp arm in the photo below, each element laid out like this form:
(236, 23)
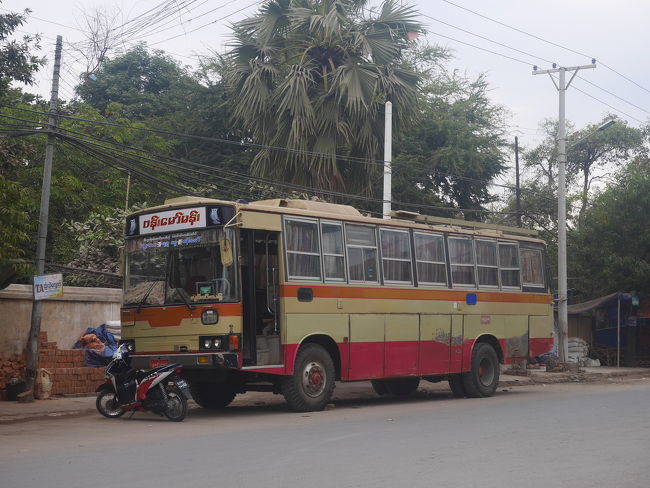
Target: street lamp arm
(600, 128)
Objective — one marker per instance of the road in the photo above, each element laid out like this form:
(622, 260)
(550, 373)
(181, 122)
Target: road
(564, 435)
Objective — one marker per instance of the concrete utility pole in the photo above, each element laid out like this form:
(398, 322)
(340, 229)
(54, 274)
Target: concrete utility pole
(562, 315)
(37, 305)
(388, 155)
(517, 186)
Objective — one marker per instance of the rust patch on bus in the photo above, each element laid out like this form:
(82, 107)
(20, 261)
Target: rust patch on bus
(517, 347)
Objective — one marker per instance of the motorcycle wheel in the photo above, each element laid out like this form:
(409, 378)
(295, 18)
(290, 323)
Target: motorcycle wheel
(107, 405)
(176, 404)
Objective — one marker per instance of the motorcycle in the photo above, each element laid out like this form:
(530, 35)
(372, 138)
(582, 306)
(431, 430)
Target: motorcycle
(159, 390)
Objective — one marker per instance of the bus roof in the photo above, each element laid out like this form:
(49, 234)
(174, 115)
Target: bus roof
(313, 208)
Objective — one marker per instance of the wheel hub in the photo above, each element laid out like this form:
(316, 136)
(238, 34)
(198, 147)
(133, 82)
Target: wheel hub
(313, 379)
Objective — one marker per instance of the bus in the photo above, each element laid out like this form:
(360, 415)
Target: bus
(289, 296)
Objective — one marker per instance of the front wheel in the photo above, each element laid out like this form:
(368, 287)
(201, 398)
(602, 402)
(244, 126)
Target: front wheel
(213, 395)
(311, 386)
(108, 405)
(483, 378)
(176, 408)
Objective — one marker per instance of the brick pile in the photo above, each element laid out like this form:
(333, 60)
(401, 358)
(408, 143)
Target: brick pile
(65, 366)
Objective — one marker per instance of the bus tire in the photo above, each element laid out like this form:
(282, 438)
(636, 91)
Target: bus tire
(311, 385)
(483, 378)
(212, 396)
(456, 385)
(380, 387)
(396, 386)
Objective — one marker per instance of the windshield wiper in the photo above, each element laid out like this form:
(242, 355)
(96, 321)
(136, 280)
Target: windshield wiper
(144, 298)
(181, 292)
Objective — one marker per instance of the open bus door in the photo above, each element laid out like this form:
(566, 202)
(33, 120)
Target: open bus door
(260, 287)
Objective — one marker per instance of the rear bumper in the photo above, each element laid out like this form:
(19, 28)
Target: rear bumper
(225, 360)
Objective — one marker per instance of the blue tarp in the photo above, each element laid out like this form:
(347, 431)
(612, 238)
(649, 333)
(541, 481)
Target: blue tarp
(96, 358)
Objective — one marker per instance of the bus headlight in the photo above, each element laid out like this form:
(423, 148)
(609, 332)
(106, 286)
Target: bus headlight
(210, 343)
(209, 316)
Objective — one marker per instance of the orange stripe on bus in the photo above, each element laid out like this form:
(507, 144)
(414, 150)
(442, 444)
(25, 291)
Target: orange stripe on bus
(171, 316)
(376, 293)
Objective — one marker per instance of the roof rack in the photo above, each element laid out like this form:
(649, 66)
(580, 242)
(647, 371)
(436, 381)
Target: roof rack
(467, 224)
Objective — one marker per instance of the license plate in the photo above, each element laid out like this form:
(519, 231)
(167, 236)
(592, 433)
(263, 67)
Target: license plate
(157, 363)
(181, 383)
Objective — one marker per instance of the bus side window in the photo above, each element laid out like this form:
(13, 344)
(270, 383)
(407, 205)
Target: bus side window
(532, 270)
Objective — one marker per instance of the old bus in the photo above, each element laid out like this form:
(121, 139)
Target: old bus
(288, 296)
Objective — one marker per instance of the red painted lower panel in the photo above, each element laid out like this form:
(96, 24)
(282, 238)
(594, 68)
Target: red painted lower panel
(401, 358)
(366, 360)
(434, 358)
(539, 345)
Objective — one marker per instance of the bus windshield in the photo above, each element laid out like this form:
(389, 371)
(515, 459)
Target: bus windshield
(180, 268)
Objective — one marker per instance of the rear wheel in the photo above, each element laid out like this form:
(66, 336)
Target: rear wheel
(312, 383)
(108, 405)
(212, 395)
(176, 404)
(483, 379)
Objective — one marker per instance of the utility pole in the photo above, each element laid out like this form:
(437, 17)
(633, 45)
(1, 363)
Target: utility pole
(37, 305)
(517, 187)
(562, 315)
(388, 151)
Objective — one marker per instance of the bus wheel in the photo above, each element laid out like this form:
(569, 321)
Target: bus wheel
(483, 379)
(212, 395)
(456, 385)
(312, 383)
(403, 386)
(396, 386)
(380, 387)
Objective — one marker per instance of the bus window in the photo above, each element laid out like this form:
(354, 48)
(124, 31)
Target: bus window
(362, 253)
(461, 259)
(532, 272)
(509, 265)
(430, 259)
(333, 252)
(303, 250)
(396, 256)
(487, 268)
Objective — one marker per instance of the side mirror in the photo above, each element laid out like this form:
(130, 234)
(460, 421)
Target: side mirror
(225, 247)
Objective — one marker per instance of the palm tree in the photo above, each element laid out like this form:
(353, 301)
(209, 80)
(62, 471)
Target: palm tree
(313, 76)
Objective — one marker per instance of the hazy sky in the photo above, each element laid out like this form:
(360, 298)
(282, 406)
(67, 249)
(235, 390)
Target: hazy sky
(614, 32)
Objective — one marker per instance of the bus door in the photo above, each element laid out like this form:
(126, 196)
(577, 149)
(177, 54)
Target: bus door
(260, 284)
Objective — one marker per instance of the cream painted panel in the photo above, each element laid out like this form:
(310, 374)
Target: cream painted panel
(298, 326)
(541, 326)
(367, 328)
(402, 327)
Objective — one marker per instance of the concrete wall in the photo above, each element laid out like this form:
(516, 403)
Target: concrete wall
(64, 318)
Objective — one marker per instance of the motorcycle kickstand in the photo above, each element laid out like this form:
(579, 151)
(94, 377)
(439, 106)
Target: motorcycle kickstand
(132, 414)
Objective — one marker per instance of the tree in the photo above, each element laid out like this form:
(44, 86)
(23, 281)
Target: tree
(17, 63)
(611, 147)
(452, 155)
(15, 228)
(610, 251)
(314, 75)
(147, 85)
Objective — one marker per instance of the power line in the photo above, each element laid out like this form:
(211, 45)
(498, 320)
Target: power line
(544, 40)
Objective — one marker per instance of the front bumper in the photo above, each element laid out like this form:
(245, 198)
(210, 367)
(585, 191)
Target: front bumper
(218, 360)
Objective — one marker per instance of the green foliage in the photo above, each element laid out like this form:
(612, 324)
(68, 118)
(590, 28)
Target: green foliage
(17, 63)
(15, 228)
(314, 75)
(147, 85)
(611, 249)
(461, 133)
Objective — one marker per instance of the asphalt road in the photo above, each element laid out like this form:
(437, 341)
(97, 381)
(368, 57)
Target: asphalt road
(562, 435)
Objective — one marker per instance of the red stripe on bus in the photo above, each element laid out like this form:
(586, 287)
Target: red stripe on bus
(377, 293)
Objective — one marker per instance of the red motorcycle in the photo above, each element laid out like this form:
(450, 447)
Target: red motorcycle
(159, 390)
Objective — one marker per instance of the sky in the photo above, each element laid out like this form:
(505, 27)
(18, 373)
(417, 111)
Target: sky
(615, 33)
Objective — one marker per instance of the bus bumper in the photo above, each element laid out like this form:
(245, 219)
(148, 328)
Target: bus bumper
(226, 360)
